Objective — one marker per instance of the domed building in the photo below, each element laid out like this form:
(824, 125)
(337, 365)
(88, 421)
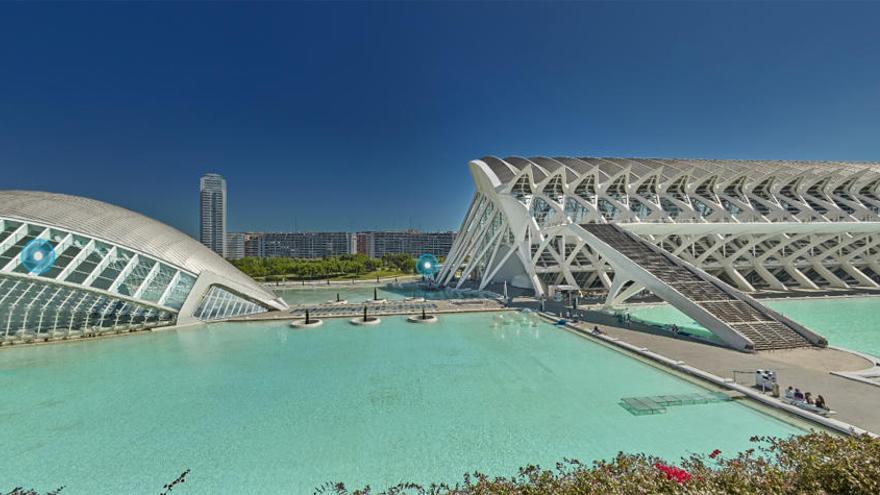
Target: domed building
(72, 266)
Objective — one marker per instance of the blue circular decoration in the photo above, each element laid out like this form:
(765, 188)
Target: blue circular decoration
(427, 265)
(37, 256)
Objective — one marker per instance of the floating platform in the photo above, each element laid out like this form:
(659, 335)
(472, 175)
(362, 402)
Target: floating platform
(371, 320)
(313, 323)
(658, 404)
(419, 319)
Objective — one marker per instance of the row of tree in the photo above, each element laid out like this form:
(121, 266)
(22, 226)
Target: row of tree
(336, 266)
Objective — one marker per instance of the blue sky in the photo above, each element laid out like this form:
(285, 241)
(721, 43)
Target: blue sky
(328, 116)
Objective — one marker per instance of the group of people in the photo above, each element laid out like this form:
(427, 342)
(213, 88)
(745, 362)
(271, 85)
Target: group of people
(795, 394)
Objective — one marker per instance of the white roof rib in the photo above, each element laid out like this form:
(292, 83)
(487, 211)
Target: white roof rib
(725, 170)
(502, 169)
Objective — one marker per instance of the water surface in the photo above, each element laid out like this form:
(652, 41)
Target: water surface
(262, 408)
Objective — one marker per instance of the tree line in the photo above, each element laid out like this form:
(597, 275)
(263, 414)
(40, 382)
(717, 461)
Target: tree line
(336, 266)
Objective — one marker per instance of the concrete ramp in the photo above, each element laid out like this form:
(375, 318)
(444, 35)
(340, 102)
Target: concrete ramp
(735, 317)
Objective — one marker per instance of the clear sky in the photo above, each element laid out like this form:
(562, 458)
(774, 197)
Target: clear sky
(360, 116)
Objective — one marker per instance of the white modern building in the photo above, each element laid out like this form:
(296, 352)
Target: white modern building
(212, 213)
(73, 267)
(700, 234)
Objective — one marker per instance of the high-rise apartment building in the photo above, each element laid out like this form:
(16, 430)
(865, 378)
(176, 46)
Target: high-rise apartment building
(305, 244)
(324, 244)
(411, 242)
(235, 242)
(252, 242)
(212, 205)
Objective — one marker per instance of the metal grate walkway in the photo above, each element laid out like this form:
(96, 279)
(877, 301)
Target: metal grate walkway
(657, 404)
(749, 319)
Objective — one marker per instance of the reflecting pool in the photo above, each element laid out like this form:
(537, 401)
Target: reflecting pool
(262, 408)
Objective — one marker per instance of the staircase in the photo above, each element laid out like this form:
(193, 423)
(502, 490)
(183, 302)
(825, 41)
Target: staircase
(766, 329)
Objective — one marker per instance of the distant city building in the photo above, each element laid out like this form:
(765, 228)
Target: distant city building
(252, 241)
(235, 245)
(304, 244)
(212, 204)
(324, 244)
(362, 243)
(411, 242)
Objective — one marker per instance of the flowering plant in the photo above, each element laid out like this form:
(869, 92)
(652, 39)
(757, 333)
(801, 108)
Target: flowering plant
(673, 473)
(816, 463)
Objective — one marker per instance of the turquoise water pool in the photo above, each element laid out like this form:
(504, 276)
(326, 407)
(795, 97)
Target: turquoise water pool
(262, 408)
(360, 294)
(849, 322)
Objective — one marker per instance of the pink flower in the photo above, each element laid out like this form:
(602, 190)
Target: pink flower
(673, 473)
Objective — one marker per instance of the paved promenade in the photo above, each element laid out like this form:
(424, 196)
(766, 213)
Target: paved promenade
(324, 283)
(388, 308)
(808, 369)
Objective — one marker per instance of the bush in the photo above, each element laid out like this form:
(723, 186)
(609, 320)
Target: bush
(817, 463)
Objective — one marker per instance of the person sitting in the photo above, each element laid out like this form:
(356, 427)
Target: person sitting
(820, 402)
(798, 395)
(789, 393)
(596, 330)
(809, 398)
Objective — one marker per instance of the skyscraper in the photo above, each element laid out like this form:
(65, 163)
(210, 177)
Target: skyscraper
(212, 202)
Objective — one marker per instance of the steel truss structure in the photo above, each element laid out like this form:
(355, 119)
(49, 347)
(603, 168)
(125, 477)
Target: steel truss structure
(756, 225)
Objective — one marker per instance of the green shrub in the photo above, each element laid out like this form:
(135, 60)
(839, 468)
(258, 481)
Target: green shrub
(817, 463)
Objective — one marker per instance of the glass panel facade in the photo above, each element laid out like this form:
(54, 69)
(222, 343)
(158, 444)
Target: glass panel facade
(31, 308)
(219, 303)
(137, 276)
(30, 232)
(94, 287)
(117, 262)
(8, 228)
(97, 265)
(65, 256)
(154, 290)
(177, 293)
(87, 264)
